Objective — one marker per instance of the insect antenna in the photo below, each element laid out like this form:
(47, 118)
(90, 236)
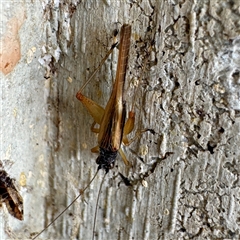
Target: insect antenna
(60, 214)
(98, 197)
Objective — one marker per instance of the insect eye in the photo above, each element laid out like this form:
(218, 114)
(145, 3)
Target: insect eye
(98, 160)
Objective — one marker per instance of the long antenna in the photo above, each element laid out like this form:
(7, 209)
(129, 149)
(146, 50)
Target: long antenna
(60, 214)
(95, 216)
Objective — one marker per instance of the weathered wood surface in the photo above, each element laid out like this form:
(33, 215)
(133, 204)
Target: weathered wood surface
(189, 95)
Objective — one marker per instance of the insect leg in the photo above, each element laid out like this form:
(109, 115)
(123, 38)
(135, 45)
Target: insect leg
(99, 66)
(95, 110)
(128, 127)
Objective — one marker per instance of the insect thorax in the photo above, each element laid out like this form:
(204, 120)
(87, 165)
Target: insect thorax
(106, 159)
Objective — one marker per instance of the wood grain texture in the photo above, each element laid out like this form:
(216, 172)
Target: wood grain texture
(189, 95)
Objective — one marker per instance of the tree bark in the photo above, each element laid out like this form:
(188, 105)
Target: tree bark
(184, 58)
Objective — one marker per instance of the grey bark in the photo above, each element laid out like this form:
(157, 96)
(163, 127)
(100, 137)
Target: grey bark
(188, 93)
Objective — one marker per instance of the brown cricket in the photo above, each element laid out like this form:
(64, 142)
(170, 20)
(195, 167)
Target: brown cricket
(113, 128)
(112, 119)
(10, 195)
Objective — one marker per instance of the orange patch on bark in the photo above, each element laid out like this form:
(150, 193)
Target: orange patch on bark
(10, 51)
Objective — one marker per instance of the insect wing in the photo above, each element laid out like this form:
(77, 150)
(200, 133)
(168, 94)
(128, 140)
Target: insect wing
(111, 128)
(110, 135)
(15, 203)
(10, 196)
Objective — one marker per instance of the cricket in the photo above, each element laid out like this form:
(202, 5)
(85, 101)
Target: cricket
(10, 195)
(113, 125)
